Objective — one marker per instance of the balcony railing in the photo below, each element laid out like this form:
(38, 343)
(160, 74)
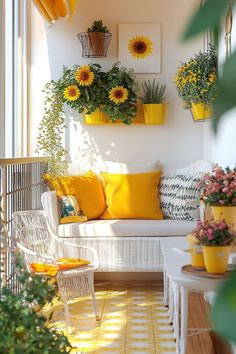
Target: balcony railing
(21, 187)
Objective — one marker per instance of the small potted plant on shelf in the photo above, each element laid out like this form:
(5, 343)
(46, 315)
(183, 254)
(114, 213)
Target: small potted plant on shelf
(219, 192)
(217, 238)
(83, 89)
(153, 107)
(121, 98)
(195, 82)
(95, 41)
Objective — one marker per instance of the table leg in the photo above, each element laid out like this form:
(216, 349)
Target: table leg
(176, 314)
(184, 319)
(171, 300)
(166, 288)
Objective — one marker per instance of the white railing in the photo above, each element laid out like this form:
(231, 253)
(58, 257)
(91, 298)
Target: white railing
(21, 187)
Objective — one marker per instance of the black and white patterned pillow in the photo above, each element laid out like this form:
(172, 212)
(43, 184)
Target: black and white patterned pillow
(179, 194)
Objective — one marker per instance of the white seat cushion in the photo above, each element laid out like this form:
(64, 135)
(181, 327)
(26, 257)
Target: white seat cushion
(127, 227)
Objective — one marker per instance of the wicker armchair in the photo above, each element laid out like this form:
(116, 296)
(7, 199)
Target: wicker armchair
(38, 244)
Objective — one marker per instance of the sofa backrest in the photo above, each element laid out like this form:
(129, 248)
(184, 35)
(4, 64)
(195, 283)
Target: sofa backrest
(50, 206)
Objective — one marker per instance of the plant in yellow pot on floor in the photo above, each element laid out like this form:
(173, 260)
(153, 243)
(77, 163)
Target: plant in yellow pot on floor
(153, 107)
(217, 238)
(195, 82)
(219, 192)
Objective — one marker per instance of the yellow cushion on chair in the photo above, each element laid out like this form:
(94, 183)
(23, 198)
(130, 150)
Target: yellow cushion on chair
(62, 264)
(87, 189)
(132, 196)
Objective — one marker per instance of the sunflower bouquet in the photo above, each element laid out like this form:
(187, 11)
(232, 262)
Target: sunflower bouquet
(196, 80)
(82, 87)
(121, 99)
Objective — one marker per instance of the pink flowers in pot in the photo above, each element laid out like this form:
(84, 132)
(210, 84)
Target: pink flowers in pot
(219, 187)
(214, 233)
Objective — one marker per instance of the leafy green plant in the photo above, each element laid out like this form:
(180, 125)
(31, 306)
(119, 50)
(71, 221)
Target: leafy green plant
(120, 87)
(196, 80)
(23, 330)
(153, 92)
(82, 87)
(85, 89)
(98, 26)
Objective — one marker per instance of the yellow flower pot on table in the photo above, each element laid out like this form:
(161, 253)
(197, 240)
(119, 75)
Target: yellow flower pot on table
(196, 251)
(216, 258)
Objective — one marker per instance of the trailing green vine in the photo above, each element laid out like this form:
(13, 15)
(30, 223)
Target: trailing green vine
(51, 130)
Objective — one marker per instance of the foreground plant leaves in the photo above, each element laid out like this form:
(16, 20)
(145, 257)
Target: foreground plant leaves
(208, 16)
(224, 309)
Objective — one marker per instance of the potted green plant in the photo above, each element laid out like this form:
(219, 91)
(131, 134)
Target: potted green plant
(96, 40)
(23, 328)
(121, 98)
(82, 88)
(153, 107)
(216, 237)
(195, 82)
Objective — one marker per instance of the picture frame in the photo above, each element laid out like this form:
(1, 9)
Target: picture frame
(140, 47)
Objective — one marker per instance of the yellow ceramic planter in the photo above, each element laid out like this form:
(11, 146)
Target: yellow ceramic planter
(154, 113)
(216, 258)
(97, 117)
(227, 213)
(200, 111)
(139, 117)
(196, 250)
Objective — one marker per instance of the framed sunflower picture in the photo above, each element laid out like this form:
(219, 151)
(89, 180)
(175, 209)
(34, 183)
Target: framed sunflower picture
(140, 46)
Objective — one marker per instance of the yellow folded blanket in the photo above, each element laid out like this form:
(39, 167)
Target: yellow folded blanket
(62, 264)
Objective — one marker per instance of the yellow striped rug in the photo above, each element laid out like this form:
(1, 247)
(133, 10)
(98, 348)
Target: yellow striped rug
(133, 321)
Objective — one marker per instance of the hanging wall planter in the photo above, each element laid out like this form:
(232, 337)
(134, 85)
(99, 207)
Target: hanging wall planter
(201, 111)
(96, 117)
(154, 113)
(154, 109)
(95, 41)
(196, 81)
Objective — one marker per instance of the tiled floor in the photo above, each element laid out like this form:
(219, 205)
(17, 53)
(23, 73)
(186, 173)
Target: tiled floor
(133, 321)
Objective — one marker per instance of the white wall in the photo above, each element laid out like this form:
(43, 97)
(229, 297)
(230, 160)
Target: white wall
(178, 142)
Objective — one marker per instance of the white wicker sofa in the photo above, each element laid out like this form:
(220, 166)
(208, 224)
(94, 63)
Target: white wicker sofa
(122, 245)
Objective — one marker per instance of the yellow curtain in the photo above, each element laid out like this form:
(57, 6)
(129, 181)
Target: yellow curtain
(52, 10)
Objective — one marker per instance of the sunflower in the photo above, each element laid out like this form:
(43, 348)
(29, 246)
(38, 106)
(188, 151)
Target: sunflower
(71, 93)
(118, 94)
(84, 76)
(140, 47)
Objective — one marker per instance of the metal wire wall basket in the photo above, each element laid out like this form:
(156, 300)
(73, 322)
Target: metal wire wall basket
(94, 44)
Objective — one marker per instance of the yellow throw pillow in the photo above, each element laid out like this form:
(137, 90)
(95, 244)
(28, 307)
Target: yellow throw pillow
(73, 218)
(132, 196)
(87, 189)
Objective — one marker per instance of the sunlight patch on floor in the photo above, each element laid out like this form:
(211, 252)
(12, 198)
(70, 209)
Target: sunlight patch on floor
(133, 321)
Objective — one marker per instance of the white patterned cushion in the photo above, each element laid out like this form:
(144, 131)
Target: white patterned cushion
(179, 194)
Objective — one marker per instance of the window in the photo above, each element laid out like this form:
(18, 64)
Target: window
(14, 79)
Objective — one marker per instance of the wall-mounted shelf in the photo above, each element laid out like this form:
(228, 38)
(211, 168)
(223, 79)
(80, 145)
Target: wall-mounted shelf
(120, 123)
